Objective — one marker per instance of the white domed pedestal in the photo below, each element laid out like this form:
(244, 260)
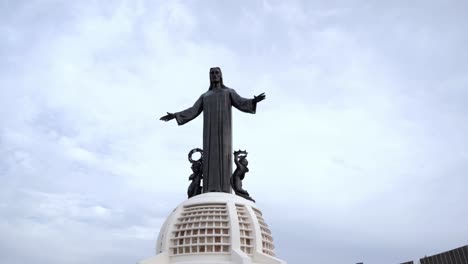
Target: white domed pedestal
(215, 228)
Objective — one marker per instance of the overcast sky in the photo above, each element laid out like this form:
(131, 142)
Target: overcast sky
(359, 152)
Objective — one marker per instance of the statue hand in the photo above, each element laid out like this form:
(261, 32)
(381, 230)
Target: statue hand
(259, 98)
(168, 117)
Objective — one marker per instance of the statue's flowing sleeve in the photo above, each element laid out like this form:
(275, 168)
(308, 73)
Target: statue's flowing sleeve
(190, 113)
(243, 104)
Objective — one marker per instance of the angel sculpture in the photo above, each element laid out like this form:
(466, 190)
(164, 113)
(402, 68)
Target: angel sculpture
(197, 175)
(240, 159)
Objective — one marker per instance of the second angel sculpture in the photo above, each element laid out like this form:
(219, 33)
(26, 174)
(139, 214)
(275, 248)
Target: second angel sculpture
(240, 159)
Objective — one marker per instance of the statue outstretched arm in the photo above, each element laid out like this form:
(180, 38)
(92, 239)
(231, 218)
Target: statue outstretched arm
(244, 104)
(186, 115)
(168, 117)
(259, 97)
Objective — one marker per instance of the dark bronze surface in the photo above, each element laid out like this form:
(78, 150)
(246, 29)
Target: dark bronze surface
(216, 106)
(197, 175)
(240, 158)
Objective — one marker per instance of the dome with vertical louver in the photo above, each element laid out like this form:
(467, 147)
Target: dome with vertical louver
(215, 228)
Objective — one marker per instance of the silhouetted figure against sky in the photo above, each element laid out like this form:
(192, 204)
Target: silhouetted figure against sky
(197, 175)
(216, 106)
(240, 158)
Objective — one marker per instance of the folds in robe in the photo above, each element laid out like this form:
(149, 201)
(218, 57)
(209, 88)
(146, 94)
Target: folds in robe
(216, 105)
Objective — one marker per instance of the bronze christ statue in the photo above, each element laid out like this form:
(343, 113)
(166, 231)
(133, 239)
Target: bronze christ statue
(216, 106)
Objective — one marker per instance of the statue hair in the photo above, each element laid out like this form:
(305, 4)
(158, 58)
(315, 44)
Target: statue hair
(211, 83)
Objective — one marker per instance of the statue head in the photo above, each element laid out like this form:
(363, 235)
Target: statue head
(197, 167)
(243, 160)
(216, 77)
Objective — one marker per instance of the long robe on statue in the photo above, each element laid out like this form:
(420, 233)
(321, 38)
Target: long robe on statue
(216, 106)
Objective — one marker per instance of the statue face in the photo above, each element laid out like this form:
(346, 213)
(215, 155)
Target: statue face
(196, 167)
(244, 162)
(215, 75)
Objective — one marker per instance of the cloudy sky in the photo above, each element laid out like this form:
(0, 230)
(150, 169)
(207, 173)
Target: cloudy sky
(359, 152)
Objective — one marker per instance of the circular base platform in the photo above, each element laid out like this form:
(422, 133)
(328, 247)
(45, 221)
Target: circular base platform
(215, 228)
